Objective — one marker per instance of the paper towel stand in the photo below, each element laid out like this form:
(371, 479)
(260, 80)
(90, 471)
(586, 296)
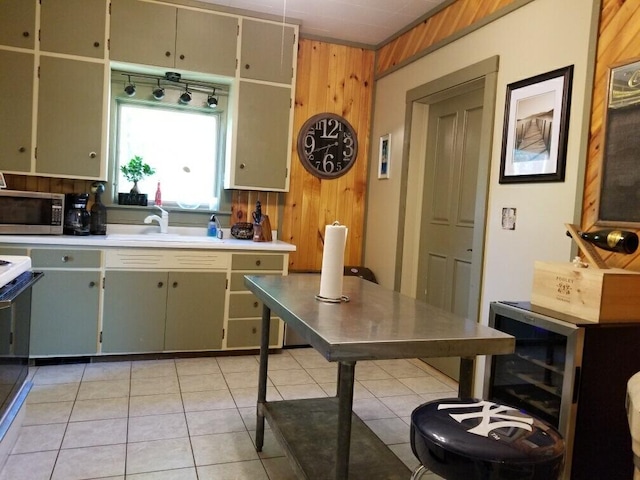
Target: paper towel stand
(321, 298)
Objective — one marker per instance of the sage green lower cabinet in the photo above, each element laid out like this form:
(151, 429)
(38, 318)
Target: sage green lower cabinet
(195, 310)
(158, 311)
(64, 313)
(134, 311)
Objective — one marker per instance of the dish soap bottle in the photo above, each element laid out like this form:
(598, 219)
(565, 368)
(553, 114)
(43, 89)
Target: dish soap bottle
(158, 200)
(212, 229)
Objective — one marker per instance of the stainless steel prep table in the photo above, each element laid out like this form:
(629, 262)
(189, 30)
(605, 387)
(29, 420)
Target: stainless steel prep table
(375, 324)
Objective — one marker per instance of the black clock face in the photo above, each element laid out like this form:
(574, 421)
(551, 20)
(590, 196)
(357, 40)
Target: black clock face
(327, 145)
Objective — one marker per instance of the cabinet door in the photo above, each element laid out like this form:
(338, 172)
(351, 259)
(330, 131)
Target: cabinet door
(70, 116)
(18, 23)
(16, 81)
(206, 42)
(143, 32)
(64, 313)
(134, 312)
(262, 140)
(73, 26)
(195, 310)
(267, 51)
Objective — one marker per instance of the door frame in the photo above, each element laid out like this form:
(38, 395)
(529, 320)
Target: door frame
(416, 115)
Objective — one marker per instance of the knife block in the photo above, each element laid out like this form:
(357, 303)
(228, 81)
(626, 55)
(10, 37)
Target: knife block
(262, 230)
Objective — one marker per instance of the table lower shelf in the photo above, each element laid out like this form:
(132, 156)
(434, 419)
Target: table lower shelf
(308, 431)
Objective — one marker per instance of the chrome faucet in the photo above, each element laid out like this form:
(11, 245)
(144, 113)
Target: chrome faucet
(163, 220)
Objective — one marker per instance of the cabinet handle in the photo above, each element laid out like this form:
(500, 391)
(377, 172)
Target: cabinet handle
(258, 262)
(167, 54)
(65, 259)
(92, 284)
(247, 66)
(175, 284)
(25, 34)
(242, 165)
(160, 284)
(181, 57)
(96, 44)
(254, 330)
(256, 304)
(93, 155)
(22, 149)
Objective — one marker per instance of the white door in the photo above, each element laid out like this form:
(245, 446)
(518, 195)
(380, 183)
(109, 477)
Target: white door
(448, 208)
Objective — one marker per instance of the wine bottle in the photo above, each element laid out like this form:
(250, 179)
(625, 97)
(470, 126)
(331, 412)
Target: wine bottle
(621, 241)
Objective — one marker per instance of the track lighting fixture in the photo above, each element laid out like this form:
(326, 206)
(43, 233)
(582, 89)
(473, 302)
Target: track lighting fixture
(212, 100)
(158, 92)
(185, 98)
(130, 88)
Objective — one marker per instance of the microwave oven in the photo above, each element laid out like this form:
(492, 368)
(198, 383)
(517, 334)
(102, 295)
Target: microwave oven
(31, 213)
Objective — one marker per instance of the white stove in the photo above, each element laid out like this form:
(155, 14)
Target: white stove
(11, 266)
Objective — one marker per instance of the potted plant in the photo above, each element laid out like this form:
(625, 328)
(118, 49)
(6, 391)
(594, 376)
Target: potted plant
(134, 171)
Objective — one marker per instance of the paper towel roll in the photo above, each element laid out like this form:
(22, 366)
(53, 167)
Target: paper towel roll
(331, 275)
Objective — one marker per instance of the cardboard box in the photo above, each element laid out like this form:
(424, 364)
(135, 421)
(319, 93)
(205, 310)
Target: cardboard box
(599, 295)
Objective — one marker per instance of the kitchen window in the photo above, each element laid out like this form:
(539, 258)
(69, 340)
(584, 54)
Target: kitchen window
(183, 143)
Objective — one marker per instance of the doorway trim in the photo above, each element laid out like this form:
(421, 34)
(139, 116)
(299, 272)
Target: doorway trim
(416, 111)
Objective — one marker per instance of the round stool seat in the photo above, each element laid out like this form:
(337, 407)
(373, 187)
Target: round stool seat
(468, 438)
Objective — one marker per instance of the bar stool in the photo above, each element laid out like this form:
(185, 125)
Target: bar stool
(469, 438)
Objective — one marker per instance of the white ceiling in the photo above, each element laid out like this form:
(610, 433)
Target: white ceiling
(367, 22)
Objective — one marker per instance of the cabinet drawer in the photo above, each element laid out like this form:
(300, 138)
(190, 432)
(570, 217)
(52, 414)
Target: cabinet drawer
(257, 262)
(157, 259)
(13, 251)
(245, 305)
(237, 280)
(246, 333)
(49, 258)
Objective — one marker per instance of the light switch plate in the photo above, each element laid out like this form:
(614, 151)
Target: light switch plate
(508, 218)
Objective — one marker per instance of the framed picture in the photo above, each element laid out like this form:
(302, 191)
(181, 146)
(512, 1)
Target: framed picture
(384, 160)
(536, 123)
(618, 204)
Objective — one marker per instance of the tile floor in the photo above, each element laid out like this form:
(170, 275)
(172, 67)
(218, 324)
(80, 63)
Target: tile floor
(194, 418)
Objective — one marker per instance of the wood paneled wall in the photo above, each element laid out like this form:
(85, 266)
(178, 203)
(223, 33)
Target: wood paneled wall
(47, 184)
(618, 42)
(456, 17)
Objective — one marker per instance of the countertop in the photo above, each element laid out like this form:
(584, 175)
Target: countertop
(143, 236)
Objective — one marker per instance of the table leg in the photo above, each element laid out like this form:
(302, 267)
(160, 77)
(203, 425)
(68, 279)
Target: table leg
(346, 376)
(465, 382)
(262, 377)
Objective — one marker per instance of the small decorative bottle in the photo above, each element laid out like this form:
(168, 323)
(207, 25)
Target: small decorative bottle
(158, 200)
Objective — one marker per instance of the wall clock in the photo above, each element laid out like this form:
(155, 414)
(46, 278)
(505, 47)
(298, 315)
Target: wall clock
(327, 145)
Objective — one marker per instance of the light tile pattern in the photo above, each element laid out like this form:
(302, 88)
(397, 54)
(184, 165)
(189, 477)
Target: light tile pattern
(194, 418)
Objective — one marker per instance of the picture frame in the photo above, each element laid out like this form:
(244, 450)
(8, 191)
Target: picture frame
(617, 200)
(384, 156)
(536, 124)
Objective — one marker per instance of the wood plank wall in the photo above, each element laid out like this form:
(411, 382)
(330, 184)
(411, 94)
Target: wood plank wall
(456, 17)
(618, 42)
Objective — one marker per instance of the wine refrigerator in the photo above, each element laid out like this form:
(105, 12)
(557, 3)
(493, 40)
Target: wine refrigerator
(572, 373)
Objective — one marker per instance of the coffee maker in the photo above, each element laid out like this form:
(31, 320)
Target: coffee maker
(76, 216)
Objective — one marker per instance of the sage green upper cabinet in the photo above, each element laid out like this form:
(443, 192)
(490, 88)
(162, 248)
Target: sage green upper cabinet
(16, 80)
(267, 51)
(70, 117)
(76, 27)
(262, 138)
(206, 42)
(143, 32)
(166, 36)
(18, 23)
